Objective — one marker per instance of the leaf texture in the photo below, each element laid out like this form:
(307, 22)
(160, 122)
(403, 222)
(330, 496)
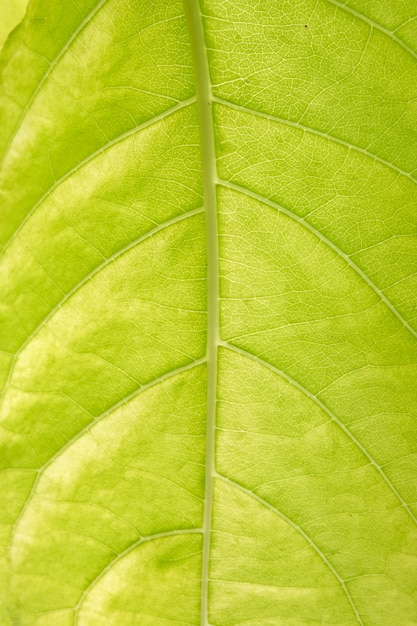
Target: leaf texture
(12, 12)
(208, 314)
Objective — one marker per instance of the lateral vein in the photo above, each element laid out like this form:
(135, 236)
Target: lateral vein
(87, 428)
(119, 557)
(317, 132)
(96, 270)
(333, 417)
(346, 257)
(302, 532)
(101, 150)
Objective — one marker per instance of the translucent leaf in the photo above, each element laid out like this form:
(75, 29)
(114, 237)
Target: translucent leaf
(208, 320)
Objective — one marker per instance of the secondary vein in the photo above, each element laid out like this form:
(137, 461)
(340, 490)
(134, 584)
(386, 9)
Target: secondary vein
(204, 100)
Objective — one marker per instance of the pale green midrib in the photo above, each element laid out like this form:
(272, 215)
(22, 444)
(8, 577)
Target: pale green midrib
(128, 550)
(249, 355)
(52, 65)
(315, 131)
(326, 241)
(299, 530)
(204, 101)
(88, 159)
(125, 400)
(88, 277)
(364, 18)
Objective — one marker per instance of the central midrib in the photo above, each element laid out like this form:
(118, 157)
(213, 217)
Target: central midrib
(204, 101)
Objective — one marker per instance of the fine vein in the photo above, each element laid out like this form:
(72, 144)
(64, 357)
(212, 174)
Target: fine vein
(204, 100)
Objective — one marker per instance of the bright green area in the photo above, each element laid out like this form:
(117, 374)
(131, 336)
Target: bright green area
(240, 452)
(11, 13)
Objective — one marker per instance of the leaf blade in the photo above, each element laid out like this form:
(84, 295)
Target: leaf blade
(260, 357)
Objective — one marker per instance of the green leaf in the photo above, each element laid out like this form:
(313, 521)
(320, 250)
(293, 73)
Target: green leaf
(208, 314)
(12, 12)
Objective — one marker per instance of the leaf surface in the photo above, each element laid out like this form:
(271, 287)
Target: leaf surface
(12, 12)
(208, 314)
